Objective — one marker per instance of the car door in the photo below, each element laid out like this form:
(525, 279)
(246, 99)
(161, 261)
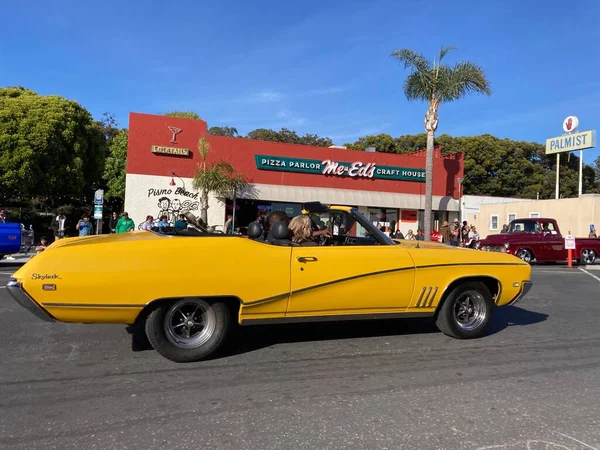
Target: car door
(350, 279)
(555, 243)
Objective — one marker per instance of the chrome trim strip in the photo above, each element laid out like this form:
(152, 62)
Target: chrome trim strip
(432, 297)
(426, 298)
(334, 318)
(420, 297)
(16, 291)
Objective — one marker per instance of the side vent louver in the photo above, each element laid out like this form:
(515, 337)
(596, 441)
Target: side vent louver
(426, 297)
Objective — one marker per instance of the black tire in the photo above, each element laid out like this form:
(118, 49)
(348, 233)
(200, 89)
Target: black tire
(204, 338)
(448, 319)
(525, 255)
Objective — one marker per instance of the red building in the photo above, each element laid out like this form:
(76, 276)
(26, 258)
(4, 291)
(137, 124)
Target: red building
(162, 158)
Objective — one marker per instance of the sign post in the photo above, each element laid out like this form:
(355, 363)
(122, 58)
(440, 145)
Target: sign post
(98, 204)
(570, 246)
(568, 142)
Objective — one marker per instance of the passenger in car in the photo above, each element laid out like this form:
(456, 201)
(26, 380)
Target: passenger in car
(302, 233)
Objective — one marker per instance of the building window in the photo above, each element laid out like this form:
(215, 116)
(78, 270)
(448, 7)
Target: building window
(511, 217)
(383, 218)
(534, 215)
(494, 221)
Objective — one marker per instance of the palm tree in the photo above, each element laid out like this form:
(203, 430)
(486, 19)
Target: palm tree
(219, 178)
(437, 83)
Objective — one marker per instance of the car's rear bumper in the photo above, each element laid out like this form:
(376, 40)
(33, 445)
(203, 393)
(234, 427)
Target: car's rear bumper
(525, 288)
(15, 289)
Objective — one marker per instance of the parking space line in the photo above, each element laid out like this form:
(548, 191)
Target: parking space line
(556, 271)
(590, 274)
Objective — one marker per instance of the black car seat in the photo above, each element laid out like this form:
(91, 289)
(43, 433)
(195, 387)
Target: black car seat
(280, 233)
(255, 231)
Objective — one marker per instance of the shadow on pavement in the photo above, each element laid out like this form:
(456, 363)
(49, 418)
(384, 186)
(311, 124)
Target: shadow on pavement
(513, 316)
(251, 338)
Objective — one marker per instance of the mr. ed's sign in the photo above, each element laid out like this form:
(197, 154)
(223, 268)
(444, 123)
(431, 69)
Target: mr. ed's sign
(355, 169)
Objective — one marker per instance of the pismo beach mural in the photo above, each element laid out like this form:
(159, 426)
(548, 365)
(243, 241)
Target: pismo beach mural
(170, 204)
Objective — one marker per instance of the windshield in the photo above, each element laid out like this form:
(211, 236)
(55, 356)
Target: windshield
(372, 229)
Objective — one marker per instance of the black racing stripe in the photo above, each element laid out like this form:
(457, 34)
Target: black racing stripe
(355, 277)
(429, 266)
(298, 291)
(93, 305)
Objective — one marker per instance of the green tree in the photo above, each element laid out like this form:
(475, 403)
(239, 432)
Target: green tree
(315, 140)
(115, 168)
(382, 143)
(223, 131)
(183, 115)
(287, 136)
(49, 145)
(219, 178)
(437, 83)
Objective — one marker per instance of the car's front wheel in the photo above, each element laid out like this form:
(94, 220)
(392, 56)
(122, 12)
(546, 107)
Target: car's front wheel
(466, 311)
(525, 255)
(189, 329)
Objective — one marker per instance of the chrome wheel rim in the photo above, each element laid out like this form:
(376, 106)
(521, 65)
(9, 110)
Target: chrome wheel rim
(190, 323)
(470, 310)
(588, 256)
(524, 255)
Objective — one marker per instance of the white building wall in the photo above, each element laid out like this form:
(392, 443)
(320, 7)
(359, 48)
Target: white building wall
(470, 204)
(143, 192)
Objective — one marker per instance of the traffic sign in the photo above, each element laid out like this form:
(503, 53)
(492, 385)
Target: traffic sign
(97, 211)
(569, 242)
(99, 197)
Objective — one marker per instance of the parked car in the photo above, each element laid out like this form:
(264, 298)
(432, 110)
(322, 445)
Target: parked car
(177, 286)
(540, 240)
(10, 238)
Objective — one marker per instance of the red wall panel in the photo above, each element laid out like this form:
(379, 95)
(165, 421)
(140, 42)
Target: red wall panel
(146, 130)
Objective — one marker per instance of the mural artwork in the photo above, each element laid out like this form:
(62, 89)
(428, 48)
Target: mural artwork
(170, 206)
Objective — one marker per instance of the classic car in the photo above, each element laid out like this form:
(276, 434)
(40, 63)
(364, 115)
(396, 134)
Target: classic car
(539, 240)
(177, 285)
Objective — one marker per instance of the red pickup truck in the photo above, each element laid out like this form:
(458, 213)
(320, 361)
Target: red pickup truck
(539, 240)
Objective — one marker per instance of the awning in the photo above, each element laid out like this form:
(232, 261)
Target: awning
(301, 194)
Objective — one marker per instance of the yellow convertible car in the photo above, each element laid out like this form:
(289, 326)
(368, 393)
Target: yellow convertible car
(179, 284)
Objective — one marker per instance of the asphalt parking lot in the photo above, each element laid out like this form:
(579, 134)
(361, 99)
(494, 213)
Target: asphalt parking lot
(533, 383)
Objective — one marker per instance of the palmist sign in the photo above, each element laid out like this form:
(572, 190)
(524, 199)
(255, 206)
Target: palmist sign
(356, 169)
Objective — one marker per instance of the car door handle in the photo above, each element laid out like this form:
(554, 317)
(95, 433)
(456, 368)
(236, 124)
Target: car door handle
(303, 259)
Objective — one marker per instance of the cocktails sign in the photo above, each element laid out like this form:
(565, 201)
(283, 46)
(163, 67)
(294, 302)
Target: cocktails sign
(356, 169)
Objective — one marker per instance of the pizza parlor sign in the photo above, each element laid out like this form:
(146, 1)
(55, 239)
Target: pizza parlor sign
(356, 169)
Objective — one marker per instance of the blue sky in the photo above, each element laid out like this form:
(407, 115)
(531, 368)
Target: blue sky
(312, 66)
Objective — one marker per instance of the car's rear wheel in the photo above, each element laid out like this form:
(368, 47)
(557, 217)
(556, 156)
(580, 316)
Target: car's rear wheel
(525, 255)
(588, 256)
(189, 329)
(466, 311)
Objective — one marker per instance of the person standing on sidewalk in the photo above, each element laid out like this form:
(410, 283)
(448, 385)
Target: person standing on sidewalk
(112, 223)
(125, 224)
(85, 226)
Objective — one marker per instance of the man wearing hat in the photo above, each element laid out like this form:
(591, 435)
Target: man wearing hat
(455, 229)
(125, 224)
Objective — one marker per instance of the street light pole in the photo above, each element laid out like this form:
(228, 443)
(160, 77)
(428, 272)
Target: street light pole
(460, 183)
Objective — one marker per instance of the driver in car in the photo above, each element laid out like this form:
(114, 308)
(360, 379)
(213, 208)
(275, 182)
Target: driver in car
(301, 231)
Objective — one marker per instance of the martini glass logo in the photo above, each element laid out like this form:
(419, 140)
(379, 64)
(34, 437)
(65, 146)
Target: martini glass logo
(175, 132)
